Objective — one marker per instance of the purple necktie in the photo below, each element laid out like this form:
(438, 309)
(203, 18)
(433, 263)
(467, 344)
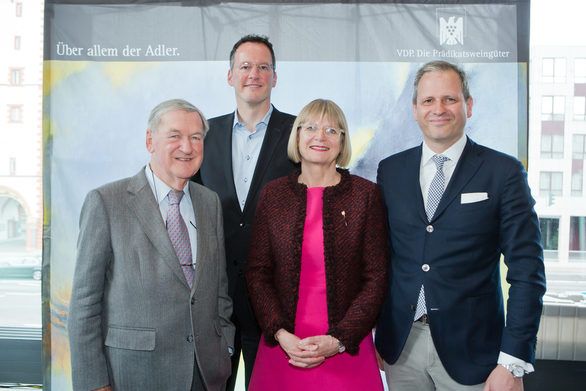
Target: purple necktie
(179, 235)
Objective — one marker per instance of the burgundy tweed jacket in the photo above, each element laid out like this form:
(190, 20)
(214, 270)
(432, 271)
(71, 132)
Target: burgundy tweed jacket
(355, 246)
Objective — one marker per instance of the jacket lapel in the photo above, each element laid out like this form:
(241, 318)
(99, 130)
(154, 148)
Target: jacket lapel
(412, 171)
(202, 220)
(466, 168)
(226, 152)
(142, 203)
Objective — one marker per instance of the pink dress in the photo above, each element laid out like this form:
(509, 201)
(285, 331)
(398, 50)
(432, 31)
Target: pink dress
(272, 370)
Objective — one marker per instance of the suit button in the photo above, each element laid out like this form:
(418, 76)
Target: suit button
(190, 338)
(241, 225)
(412, 307)
(425, 267)
(193, 300)
(429, 228)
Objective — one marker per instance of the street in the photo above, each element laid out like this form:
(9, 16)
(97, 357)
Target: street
(20, 303)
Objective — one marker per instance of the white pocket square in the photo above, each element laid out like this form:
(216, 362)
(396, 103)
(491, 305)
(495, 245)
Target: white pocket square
(468, 198)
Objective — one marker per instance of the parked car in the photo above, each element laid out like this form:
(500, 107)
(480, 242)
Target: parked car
(21, 267)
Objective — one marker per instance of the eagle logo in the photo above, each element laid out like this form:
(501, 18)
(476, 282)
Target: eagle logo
(451, 31)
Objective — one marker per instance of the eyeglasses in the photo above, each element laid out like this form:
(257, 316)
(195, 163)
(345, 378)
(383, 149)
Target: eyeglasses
(313, 129)
(246, 67)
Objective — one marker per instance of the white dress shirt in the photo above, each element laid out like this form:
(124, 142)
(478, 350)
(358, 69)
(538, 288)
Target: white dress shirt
(428, 168)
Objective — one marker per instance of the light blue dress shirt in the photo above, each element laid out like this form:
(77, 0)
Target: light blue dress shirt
(246, 147)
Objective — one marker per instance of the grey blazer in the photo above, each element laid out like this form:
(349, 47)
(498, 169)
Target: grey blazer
(133, 321)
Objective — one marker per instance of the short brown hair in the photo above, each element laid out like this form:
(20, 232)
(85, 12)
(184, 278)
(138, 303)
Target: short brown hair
(441, 66)
(254, 38)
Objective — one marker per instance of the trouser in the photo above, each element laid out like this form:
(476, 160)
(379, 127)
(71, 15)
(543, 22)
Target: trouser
(247, 344)
(419, 367)
(197, 383)
(247, 335)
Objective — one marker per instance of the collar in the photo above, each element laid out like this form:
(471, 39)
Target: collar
(453, 153)
(160, 188)
(264, 120)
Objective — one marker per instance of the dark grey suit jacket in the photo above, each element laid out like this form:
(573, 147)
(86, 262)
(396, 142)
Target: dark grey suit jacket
(216, 173)
(133, 321)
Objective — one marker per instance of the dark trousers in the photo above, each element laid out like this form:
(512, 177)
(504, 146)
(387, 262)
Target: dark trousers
(247, 336)
(247, 343)
(197, 383)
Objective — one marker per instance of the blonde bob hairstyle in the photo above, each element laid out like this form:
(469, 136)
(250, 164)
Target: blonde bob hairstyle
(315, 111)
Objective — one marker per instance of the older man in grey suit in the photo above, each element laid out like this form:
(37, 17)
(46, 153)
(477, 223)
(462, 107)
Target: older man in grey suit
(149, 306)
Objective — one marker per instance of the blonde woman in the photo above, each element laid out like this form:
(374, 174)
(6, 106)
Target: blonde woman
(316, 269)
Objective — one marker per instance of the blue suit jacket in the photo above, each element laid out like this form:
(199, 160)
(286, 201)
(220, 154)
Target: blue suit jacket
(462, 246)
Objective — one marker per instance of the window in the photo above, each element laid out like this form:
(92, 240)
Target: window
(553, 108)
(577, 180)
(579, 146)
(578, 155)
(549, 237)
(580, 70)
(15, 113)
(17, 42)
(12, 166)
(15, 76)
(554, 70)
(552, 146)
(18, 10)
(579, 108)
(550, 183)
(577, 238)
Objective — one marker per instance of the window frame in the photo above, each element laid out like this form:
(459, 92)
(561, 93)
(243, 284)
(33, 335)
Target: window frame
(558, 70)
(16, 76)
(12, 110)
(549, 190)
(557, 101)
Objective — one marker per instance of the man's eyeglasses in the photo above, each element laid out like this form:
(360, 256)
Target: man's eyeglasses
(246, 67)
(331, 132)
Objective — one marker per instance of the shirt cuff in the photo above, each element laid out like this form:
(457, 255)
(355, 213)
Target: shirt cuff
(231, 351)
(505, 359)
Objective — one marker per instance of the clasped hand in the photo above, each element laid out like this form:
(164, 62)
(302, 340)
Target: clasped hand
(308, 352)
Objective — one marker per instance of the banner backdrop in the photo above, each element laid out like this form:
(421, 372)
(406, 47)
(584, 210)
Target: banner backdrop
(107, 65)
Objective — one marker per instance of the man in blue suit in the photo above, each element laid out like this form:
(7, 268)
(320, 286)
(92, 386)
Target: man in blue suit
(453, 208)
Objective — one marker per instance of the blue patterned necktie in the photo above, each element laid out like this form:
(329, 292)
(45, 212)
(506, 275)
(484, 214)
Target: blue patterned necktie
(436, 190)
(179, 235)
(437, 186)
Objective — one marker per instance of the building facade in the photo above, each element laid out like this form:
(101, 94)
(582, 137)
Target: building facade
(21, 75)
(557, 152)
